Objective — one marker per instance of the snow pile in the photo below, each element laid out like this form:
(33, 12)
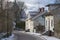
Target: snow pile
(50, 38)
(44, 37)
(33, 33)
(10, 38)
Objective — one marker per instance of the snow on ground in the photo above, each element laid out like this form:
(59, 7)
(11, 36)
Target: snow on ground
(44, 37)
(33, 33)
(37, 34)
(10, 38)
(50, 38)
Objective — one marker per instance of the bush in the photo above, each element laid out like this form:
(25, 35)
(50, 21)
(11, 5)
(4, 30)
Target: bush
(7, 35)
(21, 25)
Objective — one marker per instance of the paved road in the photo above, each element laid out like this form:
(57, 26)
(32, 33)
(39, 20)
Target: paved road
(25, 36)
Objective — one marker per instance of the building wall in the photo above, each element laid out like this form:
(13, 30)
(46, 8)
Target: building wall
(40, 20)
(49, 23)
(29, 25)
(52, 7)
(57, 25)
(56, 14)
(32, 24)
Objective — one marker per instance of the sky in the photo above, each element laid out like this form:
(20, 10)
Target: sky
(35, 4)
(11, 0)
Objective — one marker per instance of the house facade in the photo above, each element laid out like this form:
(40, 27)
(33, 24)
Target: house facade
(54, 11)
(49, 23)
(51, 19)
(33, 21)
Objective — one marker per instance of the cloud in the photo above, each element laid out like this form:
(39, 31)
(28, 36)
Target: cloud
(35, 4)
(38, 1)
(11, 0)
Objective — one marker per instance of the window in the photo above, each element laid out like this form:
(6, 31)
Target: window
(52, 22)
(46, 23)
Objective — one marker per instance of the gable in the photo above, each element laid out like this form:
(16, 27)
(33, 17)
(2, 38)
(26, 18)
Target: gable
(56, 11)
(40, 20)
(38, 15)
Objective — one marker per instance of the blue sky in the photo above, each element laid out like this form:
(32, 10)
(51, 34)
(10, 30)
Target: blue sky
(35, 4)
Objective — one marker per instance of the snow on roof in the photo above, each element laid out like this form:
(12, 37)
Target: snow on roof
(39, 14)
(52, 4)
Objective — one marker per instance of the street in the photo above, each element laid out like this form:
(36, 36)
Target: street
(25, 36)
(19, 35)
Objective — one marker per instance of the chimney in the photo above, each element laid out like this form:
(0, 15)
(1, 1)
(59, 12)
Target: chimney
(41, 9)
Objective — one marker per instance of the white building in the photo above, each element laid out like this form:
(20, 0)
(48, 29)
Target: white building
(54, 18)
(50, 19)
(43, 18)
(49, 22)
(33, 20)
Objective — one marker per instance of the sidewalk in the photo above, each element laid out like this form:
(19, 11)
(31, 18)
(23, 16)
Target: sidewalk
(19, 34)
(50, 38)
(10, 38)
(2, 35)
